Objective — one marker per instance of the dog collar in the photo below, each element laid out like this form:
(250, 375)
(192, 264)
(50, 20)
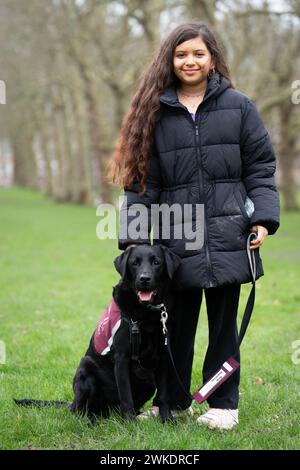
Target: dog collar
(156, 307)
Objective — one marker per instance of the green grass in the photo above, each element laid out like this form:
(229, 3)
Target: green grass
(56, 279)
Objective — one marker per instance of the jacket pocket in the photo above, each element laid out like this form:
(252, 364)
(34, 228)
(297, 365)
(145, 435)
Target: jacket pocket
(239, 199)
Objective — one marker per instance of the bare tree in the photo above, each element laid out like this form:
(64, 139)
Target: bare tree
(75, 66)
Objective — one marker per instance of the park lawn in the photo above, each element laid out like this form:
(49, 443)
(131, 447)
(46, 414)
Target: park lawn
(56, 279)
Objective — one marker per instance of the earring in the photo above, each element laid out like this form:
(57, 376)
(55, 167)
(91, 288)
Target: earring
(211, 72)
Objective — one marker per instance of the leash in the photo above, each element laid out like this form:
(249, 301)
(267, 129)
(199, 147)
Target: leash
(163, 319)
(231, 365)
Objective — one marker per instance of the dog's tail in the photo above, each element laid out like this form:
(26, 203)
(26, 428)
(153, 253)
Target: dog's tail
(42, 403)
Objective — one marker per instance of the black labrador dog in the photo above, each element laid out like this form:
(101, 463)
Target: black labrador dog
(136, 364)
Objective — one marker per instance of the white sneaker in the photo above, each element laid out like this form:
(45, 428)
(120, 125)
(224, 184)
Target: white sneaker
(153, 412)
(179, 413)
(217, 418)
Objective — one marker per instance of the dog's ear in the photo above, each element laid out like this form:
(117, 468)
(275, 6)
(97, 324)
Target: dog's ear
(172, 261)
(121, 263)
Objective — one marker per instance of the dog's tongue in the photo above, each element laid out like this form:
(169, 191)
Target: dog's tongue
(145, 296)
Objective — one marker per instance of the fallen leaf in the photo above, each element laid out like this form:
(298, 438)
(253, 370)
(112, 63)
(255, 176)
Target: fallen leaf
(258, 380)
(31, 447)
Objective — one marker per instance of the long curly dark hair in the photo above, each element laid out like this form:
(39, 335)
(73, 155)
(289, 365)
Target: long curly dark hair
(131, 158)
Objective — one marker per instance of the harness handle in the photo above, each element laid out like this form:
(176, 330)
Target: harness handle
(135, 339)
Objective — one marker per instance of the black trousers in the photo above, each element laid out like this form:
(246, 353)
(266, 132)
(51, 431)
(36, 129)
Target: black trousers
(222, 308)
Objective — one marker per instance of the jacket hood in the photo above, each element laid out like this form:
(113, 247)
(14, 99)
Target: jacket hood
(216, 86)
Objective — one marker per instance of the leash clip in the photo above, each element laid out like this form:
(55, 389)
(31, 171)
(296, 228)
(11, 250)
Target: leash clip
(164, 319)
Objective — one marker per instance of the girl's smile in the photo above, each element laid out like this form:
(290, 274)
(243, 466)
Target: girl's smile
(190, 71)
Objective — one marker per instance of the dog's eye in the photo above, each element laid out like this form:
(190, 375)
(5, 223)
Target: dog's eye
(135, 262)
(156, 262)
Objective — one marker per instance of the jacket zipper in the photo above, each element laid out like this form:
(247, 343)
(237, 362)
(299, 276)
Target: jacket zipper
(201, 193)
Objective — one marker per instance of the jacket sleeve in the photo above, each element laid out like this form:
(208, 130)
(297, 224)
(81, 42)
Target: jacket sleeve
(259, 164)
(138, 231)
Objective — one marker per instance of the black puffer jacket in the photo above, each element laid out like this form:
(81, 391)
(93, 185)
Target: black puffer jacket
(218, 160)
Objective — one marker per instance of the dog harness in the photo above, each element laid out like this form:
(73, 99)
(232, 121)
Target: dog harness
(110, 322)
(107, 327)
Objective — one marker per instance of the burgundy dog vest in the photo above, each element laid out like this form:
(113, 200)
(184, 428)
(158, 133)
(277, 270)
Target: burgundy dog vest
(107, 327)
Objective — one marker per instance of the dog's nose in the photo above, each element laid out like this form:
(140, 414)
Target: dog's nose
(144, 277)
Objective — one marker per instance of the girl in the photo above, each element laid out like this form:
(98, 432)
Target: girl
(191, 138)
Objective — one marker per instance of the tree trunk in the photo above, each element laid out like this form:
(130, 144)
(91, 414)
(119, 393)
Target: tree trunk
(25, 168)
(82, 171)
(287, 154)
(47, 158)
(66, 136)
(95, 135)
(59, 191)
(19, 175)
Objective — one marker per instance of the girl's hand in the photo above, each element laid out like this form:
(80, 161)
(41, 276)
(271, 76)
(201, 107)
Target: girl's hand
(261, 232)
